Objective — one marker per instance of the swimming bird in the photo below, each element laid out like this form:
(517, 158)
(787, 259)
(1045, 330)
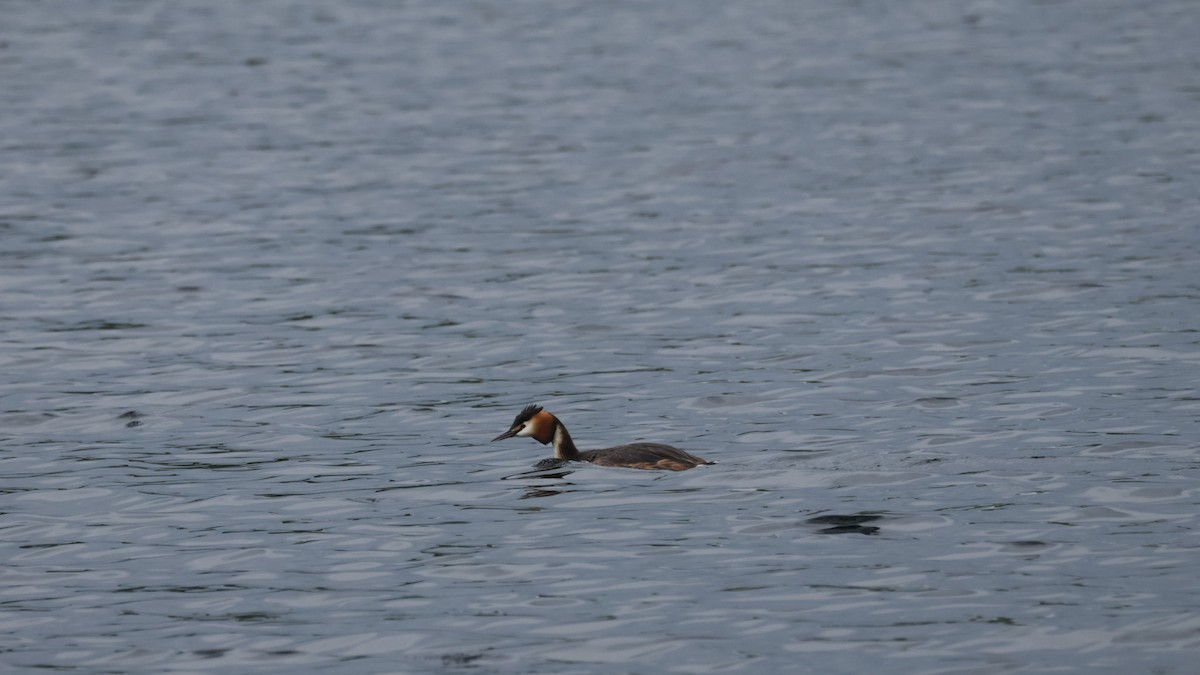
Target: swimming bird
(544, 427)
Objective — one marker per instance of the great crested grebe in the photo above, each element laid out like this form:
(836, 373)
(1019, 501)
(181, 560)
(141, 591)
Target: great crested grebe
(543, 427)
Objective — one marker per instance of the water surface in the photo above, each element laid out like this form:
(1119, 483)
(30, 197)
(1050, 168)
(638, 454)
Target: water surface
(921, 278)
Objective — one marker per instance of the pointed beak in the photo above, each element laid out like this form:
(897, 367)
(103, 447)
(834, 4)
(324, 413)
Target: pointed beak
(508, 434)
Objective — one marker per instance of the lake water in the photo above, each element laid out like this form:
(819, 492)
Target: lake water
(922, 277)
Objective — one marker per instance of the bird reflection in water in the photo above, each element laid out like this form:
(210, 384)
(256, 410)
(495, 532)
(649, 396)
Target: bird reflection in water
(548, 469)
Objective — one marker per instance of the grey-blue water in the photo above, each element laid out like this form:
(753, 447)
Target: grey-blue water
(922, 277)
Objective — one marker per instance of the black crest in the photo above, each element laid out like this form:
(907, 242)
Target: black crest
(527, 413)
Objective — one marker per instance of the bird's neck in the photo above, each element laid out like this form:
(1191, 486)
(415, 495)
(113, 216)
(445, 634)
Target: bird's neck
(564, 447)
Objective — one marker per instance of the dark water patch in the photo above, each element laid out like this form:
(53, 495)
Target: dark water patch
(846, 524)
